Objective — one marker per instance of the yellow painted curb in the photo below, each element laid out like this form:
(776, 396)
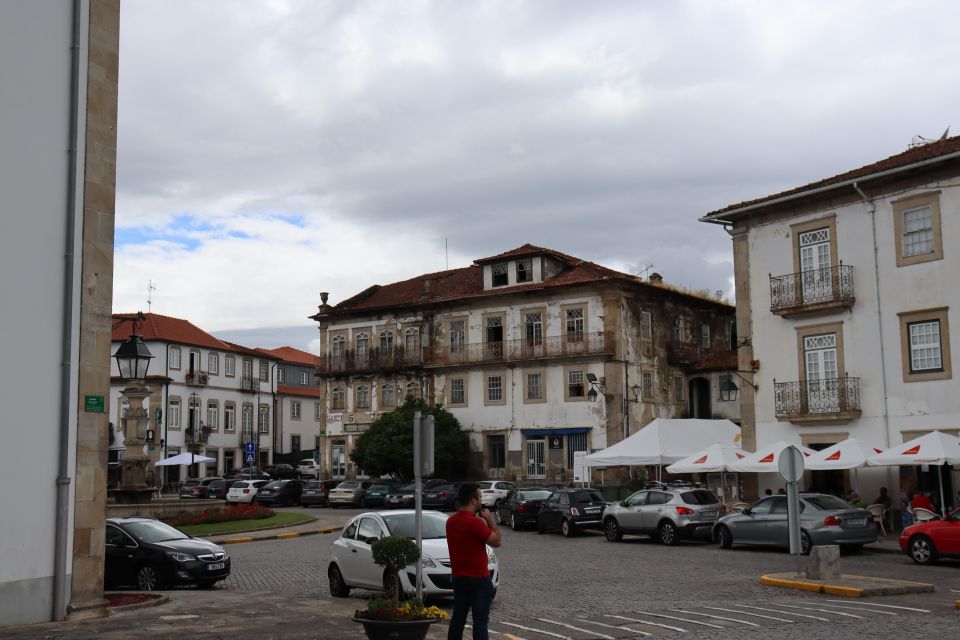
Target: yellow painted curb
(792, 584)
(847, 592)
(284, 536)
(237, 540)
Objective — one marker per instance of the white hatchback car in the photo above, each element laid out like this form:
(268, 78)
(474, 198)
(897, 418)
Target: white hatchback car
(244, 490)
(309, 468)
(494, 491)
(351, 556)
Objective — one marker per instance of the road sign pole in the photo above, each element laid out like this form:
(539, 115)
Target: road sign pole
(418, 495)
(791, 469)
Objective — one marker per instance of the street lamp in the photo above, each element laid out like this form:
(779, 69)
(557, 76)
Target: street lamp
(133, 360)
(729, 389)
(595, 387)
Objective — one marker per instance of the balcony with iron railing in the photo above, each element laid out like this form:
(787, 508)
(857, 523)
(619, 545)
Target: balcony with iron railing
(250, 384)
(811, 292)
(826, 401)
(196, 378)
(369, 361)
(600, 343)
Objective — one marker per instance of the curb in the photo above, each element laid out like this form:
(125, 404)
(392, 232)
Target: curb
(279, 536)
(896, 587)
(894, 551)
(151, 602)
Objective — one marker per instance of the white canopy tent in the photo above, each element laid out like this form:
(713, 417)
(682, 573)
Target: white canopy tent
(766, 460)
(183, 458)
(715, 458)
(666, 441)
(935, 448)
(847, 454)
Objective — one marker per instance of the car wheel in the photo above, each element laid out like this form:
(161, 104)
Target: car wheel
(148, 578)
(725, 538)
(567, 528)
(513, 522)
(392, 589)
(338, 588)
(667, 532)
(612, 530)
(922, 550)
(805, 543)
(206, 584)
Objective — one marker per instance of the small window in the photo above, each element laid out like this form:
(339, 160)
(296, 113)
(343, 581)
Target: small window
(213, 414)
(173, 413)
(338, 346)
(646, 325)
(925, 338)
(281, 375)
(295, 444)
(304, 378)
(387, 397)
(499, 271)
(574, 325)
(174, 357)
(386, 342)
(337, 399)
(704, 336)
(264, 370)
(362, 343)
(411, 341)
(264, 423)
(677, 333)
(917, 227)
(679, 388)
(495, 388)
(525, 270)
(925, 352)
(457, 333)
(917, 231)
(229, 416)
(575, 386)
(295, 410)
(363, 397)
(535, 386)
(457, 391)
(533, 328)
(213, 364)
(316, 414)
(646, 384)
(229, 366)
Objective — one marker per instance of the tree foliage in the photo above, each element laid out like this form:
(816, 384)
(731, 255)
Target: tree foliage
(386, 449)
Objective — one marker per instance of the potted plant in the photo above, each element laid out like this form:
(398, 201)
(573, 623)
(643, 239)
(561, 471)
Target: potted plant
(386, 618)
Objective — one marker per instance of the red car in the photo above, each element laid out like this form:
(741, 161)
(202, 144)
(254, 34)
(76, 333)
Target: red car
(928, 541)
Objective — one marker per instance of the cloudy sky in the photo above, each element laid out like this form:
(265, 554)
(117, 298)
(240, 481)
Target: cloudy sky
(270, 150)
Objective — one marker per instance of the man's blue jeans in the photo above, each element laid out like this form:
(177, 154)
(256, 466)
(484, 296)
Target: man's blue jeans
(475, 594)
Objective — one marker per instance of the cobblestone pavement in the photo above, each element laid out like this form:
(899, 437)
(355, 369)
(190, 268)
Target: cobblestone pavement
(553, 587)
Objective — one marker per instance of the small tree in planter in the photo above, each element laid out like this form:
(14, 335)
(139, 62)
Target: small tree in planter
(386, 617)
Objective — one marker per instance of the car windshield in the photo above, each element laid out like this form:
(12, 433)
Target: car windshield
(154, 531)
(484, 485)
(699, 496)
(828, 503)
(586, 496)
(434, 525)
(534, 495)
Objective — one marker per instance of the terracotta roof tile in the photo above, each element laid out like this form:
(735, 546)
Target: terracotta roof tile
(717, 360)
(527, 250)
(906, 158)
(169, 329)
(290, 354)
(298, 391)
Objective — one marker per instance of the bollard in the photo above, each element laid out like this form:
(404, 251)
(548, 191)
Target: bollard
(824, 563)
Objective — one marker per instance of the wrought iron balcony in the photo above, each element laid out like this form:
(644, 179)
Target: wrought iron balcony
(831, 400)
(810, 292)
(683, 354)
(249, 384)
(196, 378)
(598, 343)
(369, 361)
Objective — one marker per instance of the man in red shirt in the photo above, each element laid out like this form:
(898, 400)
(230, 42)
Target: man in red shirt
(469, 531)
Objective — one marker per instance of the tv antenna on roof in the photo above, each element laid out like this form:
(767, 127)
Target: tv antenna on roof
(151, 287)
(645, 270)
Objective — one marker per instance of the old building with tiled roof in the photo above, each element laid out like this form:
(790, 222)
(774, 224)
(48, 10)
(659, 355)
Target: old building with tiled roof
(846, 296)
(297, 405)
(516, 345)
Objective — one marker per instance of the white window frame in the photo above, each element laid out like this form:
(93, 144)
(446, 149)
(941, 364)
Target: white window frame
(263, 419)
(229, 366)
(294, 409)
(176, 358)
(494, 389)
(213, 414)
(174, 417)
(646, 384)
(458, 387)
(229, 416)
(213, 363)
(704, 336)
(281, 375)
(264, 371)
(934, 347)
(304, 378)
(646, 325)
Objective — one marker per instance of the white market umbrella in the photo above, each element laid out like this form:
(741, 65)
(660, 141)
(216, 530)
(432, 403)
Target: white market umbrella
(766, 460)
(934, 448)
(847, 454)
(183, 458)
(713, 459)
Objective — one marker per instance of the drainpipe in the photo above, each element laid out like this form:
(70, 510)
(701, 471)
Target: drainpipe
(66, 360)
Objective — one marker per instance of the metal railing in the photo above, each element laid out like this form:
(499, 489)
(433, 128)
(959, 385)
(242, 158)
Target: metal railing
(816, 397)
(250, 383)
(196, 378)
(598, 343)
(817, 286)
(352, 361)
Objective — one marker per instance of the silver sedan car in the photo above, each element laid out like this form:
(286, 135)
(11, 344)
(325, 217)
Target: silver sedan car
(824, 519)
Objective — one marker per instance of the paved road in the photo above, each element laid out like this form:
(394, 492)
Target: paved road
(553, 587)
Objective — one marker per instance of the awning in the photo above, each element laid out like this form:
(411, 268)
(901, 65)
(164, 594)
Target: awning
(555, 432)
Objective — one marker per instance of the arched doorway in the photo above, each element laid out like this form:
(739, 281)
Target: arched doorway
(699, 398)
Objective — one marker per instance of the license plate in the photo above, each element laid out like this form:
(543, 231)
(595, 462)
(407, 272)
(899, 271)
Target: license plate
(592, 509)
(216, 566)
(708, 514)
(856, 522)
(310, 493)
(430, 495)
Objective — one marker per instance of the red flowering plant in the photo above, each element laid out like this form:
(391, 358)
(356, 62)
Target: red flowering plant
(227, 514)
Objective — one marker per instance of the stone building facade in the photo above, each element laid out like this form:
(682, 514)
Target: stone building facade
(515, 346)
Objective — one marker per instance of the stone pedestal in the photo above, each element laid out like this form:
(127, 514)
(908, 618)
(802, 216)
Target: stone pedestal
(824, 563)
(136, 420)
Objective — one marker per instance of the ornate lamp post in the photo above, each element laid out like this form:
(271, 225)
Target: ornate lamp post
(133, 360)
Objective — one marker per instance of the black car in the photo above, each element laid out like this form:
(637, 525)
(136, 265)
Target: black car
(282, 472)
(315, 492)
(280, 492)
(248, 473)
(151, 555)
(217, 490)
(405, 497)
(376, 495)
(442, 497)
(196, 487)
(569, 510)
(521, 507)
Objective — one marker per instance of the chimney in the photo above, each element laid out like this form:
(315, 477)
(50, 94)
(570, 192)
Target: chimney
(656, 278)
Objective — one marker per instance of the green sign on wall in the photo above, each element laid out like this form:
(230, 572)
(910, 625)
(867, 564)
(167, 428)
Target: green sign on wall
(93, 404)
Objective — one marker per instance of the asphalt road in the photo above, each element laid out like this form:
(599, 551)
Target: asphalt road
(553, 587)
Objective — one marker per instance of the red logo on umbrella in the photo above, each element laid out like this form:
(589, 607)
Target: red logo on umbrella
(834, 456)
(739, 455)
(912, 451)
(700, 460)
(767, 458)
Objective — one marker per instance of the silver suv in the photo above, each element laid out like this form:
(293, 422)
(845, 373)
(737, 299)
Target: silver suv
(664, 514)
